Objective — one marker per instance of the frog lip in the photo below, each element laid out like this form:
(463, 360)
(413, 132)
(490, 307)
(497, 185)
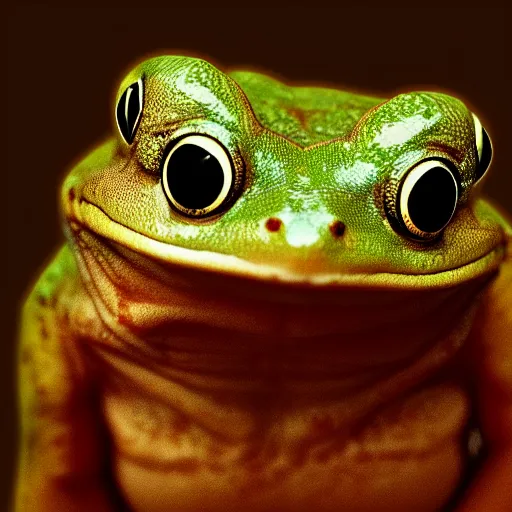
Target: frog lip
(94, 218)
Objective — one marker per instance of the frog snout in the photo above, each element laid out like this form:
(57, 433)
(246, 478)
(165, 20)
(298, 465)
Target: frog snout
(275, 224)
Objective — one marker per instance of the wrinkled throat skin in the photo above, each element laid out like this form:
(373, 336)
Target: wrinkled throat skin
(227, 391)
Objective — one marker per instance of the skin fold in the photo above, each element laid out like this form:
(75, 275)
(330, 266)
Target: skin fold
(297, 347)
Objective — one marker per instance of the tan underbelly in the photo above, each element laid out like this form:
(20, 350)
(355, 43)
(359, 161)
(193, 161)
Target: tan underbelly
(407, 456)
(409, 484)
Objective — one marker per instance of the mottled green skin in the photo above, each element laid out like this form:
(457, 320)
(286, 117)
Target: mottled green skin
(311, 156)
(305, 115)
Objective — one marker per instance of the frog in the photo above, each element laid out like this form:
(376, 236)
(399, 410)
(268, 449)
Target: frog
(272, 297)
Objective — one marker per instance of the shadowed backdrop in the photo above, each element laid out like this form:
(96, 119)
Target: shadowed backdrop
(64, 65)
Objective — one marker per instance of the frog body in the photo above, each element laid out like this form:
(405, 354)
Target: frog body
(270, 298)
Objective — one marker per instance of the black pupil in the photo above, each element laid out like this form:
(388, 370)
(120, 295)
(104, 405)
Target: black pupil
(432, 200)
(194, 176)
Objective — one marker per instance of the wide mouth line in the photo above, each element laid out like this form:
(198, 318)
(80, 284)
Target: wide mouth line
(234, 265)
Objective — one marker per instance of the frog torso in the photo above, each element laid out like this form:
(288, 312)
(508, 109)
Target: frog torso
(286, 333)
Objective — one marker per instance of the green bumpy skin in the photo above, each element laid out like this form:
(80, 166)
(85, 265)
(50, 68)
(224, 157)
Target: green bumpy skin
(296, 349)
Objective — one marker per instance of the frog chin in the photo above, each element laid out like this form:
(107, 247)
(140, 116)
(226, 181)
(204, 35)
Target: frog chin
(92, 217)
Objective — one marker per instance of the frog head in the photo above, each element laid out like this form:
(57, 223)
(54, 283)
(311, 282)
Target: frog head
(240, 174)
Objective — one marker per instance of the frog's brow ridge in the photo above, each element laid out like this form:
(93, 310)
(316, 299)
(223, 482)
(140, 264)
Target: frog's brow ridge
(164, 128)
(441, 147)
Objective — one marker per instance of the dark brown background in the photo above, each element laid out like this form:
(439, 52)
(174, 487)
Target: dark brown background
(64, 66)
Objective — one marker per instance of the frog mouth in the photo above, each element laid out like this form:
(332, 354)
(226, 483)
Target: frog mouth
(94, 218)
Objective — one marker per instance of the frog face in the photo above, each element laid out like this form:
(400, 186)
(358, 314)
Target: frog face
(242, 174)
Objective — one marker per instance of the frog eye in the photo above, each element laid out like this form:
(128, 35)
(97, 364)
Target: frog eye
(129, 110)
(427, 198)
(197, 175)
(483, 148)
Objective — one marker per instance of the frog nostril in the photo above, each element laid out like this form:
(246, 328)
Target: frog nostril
(71, 194)
(337, 228)
(273, 224)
